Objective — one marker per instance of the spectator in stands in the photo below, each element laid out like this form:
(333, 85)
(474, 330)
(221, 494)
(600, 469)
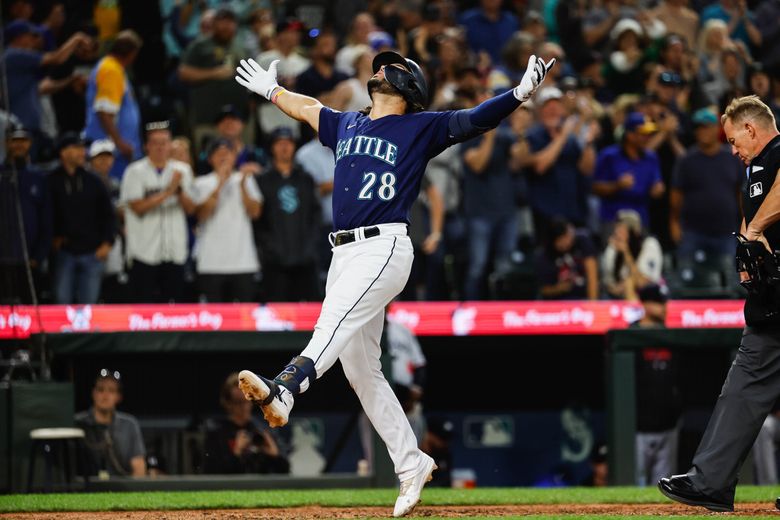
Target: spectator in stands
(675, 56)
(602, 19)
(21, 183)
(489, 203)
(488, 28)
(678, 19)
(208, 66)
(183, 24)
(708, 176)
(291, 65)
(24, 67)
(101, 161)
(668, 143)
(767, 17)
(425, 232)
(84, 225)
(422, 41)
(599, 476)
(627, 175)
(739, 19)
(567, 265)
(445, 172)
(759, 83)
(112, 107)
(8, 122)
(352, 95)
(229, 125)
(181, 150)
(318, 161)
(632, 259)
(559, 161)
(623, 70)
(357, 39)
(321, 78)
(713, 43)
(452, 74)
(658, 397)
(113, 438)
(287, 229)
(765, 449)
(227, 203)
(237, 442)
(156, 191)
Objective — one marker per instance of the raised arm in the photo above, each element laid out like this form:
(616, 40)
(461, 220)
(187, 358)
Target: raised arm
(466, 124)
(263, 82)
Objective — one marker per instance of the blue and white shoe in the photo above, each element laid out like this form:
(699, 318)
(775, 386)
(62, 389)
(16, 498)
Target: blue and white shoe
(275, 400)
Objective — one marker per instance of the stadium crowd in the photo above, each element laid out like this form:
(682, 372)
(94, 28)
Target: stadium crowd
(140, 171)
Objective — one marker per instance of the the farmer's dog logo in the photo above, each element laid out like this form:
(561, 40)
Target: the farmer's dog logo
(80, 318)
(756, 190)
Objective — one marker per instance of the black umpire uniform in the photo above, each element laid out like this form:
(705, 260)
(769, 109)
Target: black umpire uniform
(753, 382)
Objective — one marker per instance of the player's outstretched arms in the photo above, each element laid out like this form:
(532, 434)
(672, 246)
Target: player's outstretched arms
(263, 82)
(488, 114)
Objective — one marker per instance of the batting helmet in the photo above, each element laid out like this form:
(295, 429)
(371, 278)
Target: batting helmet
(410, 81)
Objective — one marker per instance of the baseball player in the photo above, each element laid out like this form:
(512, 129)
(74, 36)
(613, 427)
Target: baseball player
(753, 382)
(381, 155)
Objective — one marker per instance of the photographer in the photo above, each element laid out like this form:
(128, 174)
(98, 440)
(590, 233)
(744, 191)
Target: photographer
(236, 443)
(113, 438)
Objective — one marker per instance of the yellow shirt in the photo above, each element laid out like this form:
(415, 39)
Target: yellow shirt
(110, 80)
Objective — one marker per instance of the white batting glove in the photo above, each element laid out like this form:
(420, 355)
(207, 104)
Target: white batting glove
(255, 78)
(534, 76)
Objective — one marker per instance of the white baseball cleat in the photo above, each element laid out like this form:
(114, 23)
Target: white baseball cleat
(275, 400)
(409, 495)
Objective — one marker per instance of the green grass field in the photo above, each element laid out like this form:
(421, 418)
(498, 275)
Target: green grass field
(353, 498)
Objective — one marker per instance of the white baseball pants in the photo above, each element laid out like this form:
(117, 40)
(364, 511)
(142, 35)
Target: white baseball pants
(364, 277)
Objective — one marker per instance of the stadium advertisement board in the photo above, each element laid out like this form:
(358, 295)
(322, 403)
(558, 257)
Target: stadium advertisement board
(424, 318)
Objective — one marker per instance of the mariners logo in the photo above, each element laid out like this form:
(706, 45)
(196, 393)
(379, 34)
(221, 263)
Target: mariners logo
(756, 190)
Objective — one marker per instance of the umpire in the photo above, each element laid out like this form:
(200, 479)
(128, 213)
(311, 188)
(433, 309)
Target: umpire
(753, 382)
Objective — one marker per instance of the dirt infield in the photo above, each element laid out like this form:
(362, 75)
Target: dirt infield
(316, 512)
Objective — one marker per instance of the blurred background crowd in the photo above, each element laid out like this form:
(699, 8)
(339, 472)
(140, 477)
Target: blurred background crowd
(140, 171)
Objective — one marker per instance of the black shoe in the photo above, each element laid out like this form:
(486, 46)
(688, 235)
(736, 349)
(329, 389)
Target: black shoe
(777, 503)
(681, 489)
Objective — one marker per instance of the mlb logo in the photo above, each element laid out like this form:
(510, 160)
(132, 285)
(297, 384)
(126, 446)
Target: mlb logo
(755, 190)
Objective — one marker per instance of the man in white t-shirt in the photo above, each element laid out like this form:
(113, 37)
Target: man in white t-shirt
(156, 192)
(227, 202)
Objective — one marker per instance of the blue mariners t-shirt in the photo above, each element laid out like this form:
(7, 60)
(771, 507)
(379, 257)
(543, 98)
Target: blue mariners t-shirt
(380, 163)
(611, 164)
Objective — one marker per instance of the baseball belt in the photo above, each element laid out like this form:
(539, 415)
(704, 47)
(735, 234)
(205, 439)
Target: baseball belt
(347, 237)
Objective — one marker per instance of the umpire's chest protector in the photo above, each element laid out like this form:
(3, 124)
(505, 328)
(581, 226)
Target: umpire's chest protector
(760, 177)
(762, 310)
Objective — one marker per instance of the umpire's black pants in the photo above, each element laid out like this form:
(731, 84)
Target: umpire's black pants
(751, 389)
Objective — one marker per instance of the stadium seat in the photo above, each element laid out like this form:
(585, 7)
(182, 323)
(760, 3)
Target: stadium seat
(55, 443)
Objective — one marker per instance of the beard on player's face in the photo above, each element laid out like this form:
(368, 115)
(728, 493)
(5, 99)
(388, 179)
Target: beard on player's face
(381, 86)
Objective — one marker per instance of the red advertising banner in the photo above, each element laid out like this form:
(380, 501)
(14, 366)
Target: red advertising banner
(424, 318)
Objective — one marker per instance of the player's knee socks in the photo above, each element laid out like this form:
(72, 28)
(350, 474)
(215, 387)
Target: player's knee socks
(297, 374)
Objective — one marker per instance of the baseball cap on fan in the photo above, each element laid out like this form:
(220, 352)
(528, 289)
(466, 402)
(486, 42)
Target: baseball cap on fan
(638, 122)
(282, 132)
(18, 28)
(101, 146)
(547, 94)
(704, 117)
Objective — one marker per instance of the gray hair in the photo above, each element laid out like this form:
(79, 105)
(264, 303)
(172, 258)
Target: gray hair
(749, 108)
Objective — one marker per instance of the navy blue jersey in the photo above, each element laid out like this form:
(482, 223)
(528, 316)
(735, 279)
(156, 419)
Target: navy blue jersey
(380, 163)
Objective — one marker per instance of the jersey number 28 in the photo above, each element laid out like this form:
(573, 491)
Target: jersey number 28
(385, 191)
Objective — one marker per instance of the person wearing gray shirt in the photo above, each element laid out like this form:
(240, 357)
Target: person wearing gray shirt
(113, 438)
